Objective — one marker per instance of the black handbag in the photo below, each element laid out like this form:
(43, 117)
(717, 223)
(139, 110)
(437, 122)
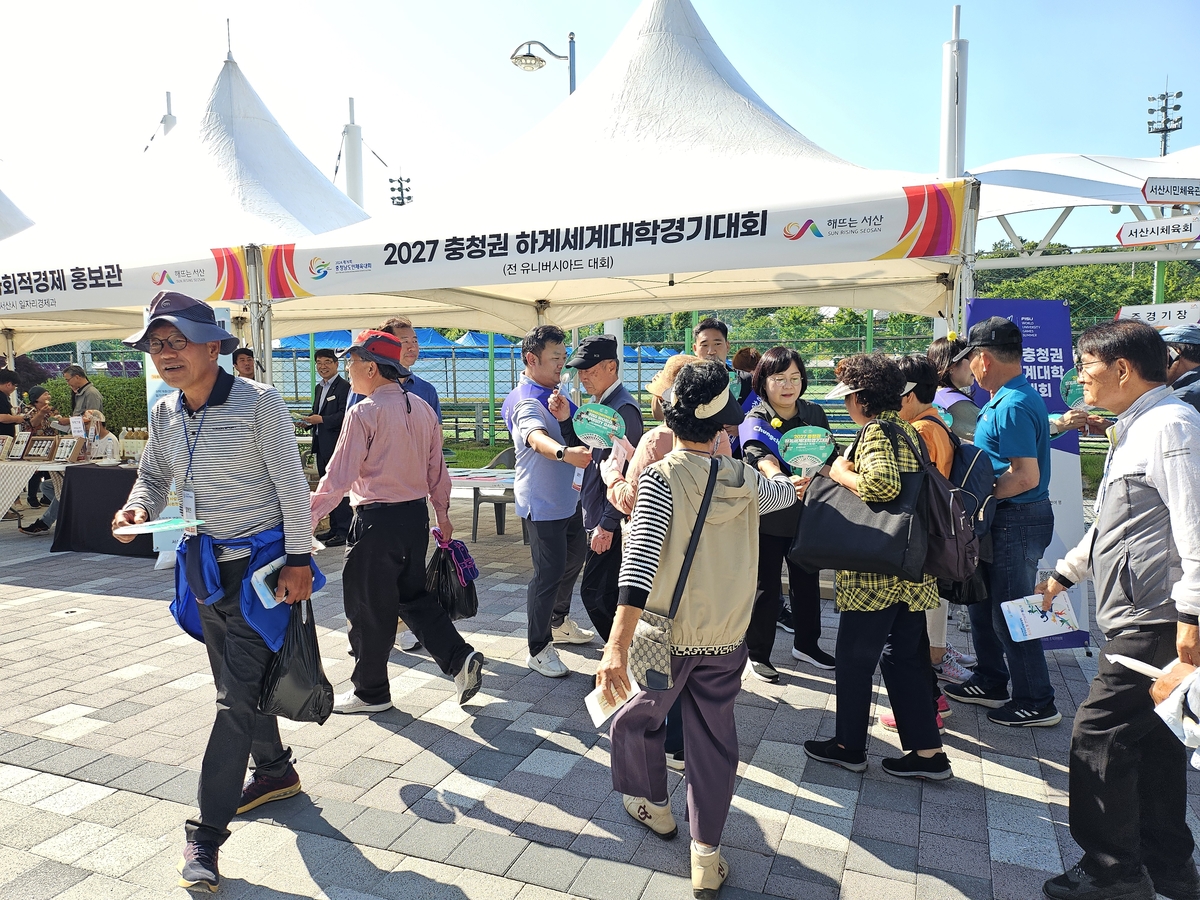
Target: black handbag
(840, 530)
(650, 650)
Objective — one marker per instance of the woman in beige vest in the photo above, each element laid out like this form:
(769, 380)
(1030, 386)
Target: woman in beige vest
(708, 652)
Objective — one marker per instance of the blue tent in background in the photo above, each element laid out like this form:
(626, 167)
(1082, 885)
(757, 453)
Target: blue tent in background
(479, 339)
(334, 340)
(430, 337)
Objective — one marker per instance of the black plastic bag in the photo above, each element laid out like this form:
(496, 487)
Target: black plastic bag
(295, 686)
(441, 578)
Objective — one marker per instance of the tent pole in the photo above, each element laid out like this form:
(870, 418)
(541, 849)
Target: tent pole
(10, 350)
(491, 389)
(312, 364)
(869, 341)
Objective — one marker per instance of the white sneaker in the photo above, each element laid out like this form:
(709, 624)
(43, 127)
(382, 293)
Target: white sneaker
(657, 818)
(570, 633)
(349, 703)
(949, 670)
(547, 663)
(966, 660)
(964, 620)
(469, 677)
(406, 640)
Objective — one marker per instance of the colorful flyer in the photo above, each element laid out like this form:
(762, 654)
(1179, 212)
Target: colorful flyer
(598, 425)
(157, 525)
(806, 448)
(1072, 390)
(1027, 620)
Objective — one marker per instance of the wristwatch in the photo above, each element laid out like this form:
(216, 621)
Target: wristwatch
(558, 454)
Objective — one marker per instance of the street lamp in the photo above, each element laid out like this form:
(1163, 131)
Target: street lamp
(528, 61)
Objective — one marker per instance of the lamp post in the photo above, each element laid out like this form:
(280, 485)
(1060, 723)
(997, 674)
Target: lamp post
(529, 61)
(1163, 125)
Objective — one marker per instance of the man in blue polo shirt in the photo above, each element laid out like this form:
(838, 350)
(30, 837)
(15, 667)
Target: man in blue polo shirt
(1014, 430)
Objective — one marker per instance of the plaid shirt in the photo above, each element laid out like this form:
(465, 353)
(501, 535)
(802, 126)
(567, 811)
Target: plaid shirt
(879, 481)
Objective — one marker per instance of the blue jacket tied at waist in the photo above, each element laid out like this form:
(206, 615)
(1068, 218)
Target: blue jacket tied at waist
(198, 579)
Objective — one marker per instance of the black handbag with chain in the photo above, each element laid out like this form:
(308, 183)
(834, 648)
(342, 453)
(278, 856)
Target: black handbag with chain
(840, 530)
(650, 650)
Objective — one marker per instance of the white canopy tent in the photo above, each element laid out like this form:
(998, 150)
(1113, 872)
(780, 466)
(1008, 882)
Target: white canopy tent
(12, 220)
(233, 177)
(664, 183)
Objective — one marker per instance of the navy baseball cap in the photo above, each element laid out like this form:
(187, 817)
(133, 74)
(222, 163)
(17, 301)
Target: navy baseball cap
(993, 332)
(593, 349)
(1181, 334)
(194, 318)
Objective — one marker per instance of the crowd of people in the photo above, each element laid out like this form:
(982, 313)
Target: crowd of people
(649, 535)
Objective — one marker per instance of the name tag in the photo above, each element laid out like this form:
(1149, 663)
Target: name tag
(187, 503)
(577, 482)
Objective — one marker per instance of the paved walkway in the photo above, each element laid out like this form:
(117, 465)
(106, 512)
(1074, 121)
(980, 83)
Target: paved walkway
(109, 706)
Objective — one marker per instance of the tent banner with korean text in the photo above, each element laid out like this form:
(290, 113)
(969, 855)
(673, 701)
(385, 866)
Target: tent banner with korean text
(921, 221)
(1163, 315)
(1047, 354)
(50, 286)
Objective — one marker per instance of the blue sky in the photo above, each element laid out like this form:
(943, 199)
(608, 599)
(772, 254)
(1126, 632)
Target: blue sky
(435, 90)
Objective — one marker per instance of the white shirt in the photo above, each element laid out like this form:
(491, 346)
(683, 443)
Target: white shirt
(324, 391)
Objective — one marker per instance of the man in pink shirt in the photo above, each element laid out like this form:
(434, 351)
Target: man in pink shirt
(389, 457)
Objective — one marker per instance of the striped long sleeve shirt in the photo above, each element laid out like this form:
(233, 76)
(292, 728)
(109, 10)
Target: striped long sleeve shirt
(245, 465)
(648, 529)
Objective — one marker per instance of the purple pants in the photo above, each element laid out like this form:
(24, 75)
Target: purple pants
(707, 687)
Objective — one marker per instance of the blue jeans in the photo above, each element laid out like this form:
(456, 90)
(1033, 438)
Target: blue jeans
(1020, 535)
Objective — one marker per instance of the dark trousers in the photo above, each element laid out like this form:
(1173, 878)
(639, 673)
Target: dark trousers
(1128, 775)
(383, 579)
(598, 586)
(239, 658)
(1020, 535)
(862, 639)
(805, 594)
(339, 519)
(557, 547)
(706, 687)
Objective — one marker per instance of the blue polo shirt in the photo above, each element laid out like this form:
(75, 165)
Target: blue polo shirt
(416, 385)
(1014, 424)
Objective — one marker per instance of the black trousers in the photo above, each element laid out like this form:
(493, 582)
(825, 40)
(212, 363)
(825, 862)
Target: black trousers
(239, 658)
(1128, 775)
(557, 547)
(598, 586)
(339, 519)
(805, 592)
(861, 642)
(384, 579)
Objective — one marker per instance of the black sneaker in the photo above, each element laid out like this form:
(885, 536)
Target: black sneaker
(1079, 885)
(814, 656)
(785, 618)
(199, 866)
(936, 767)
(1182, 884)
(260, 789)
(763, 671)
(1024, 717)
(829, 752)
(971, 692)
(38, 528)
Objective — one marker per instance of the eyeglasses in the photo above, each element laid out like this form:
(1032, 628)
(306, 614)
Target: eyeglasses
(781, 380)
(1084, 366)
(154, 346)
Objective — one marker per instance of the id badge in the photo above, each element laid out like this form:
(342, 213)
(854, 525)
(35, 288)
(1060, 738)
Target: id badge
(187, 505)
(577, 483)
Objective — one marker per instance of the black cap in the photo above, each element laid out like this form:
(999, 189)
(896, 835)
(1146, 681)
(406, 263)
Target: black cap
(593, 349)
(194, 318)
(993, 332)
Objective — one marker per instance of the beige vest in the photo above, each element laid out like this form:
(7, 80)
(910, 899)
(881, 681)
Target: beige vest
(714, 611)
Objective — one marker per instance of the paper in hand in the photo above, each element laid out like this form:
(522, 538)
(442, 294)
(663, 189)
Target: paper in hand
(600, 709)
(158, 525)
(1136, 665)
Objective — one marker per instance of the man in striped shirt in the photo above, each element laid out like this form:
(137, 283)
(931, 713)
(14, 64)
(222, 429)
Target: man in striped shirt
(228, 447)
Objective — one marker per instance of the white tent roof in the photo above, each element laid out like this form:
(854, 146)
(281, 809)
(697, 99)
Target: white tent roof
(664, 128)
(12, 220)
(1053, 180)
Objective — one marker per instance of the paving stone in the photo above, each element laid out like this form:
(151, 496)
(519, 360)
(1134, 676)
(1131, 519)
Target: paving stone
(953, 821)
(50, 879)
(377, 828)
(78, 840)
(862, 886)
(118, 711)
(70, 759)
(486, 852)
(31, 752)
(430, 840)
(833, 776)
(936, 884)
(895, 795)
(804, 862)
(892, 861)
(183, 788)
(314, 815)
(358, 869)
(665, 886)
(420, 878)
(548, 867)
(364, 772)
(609, 840)
(145, 777)
(603, 879)
(490, 764)
(1011, 882)
(484, 886)
(954, 855)
(887, 825)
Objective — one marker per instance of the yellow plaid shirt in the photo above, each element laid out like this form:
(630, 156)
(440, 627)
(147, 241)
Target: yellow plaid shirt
(878, 482)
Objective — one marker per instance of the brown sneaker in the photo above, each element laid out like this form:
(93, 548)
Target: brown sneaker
(260, 789)
(709, 871)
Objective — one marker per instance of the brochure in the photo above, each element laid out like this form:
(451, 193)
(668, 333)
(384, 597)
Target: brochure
(600, 709)
(1027, 620)
(266, 580)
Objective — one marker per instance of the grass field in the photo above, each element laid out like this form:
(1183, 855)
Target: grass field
(469, 455)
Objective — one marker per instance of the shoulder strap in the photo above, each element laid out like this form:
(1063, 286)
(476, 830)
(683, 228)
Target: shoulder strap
(695, 540)
(918, 449)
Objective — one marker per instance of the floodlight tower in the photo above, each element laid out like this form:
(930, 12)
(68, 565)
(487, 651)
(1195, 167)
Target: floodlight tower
(1162, 125)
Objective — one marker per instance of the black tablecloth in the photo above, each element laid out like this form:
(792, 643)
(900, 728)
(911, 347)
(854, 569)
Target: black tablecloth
(91, 496)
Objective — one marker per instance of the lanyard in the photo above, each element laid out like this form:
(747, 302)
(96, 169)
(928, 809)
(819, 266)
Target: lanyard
(191, 448)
